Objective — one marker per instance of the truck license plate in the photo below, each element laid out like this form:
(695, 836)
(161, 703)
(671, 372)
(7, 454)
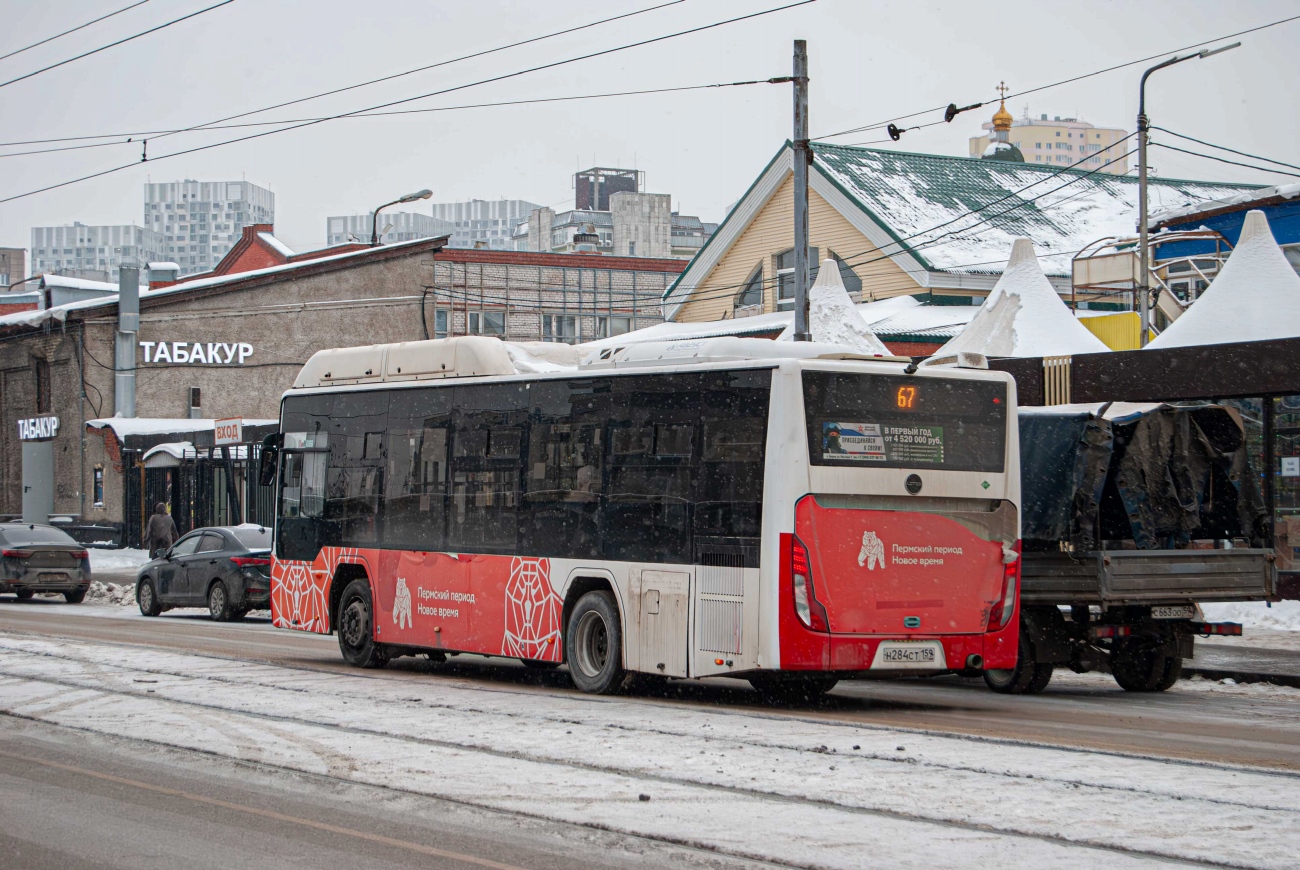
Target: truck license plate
(923, 654)
(1181, 611)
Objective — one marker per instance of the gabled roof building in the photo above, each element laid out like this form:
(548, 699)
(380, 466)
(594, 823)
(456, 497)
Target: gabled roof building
(923, 225)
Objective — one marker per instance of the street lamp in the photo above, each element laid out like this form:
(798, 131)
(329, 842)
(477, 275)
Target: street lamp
(374, 220)
(1143, 125)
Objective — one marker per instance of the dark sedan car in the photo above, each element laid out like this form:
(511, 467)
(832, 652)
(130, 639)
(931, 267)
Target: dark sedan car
(228, 570)
(38, 558)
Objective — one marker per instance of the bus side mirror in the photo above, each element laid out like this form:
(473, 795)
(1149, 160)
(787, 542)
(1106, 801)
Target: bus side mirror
(269, 459)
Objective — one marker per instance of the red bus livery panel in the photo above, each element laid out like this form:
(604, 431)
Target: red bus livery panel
(496, 605)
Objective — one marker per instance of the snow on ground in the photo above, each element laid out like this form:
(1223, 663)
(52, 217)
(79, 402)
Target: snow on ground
(1279, 616)
(103, 561)
(794, 790)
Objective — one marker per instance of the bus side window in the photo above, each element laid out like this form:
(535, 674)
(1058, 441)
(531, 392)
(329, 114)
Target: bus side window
(487, 467)
(729, 485)
(302, 504)
(560, 515)
(416, 488)
(356, 470)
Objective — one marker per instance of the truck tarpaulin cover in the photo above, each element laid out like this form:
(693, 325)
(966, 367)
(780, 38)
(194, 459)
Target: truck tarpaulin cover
(1156, 475)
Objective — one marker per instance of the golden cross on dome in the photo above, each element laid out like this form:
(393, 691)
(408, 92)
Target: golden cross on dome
(1002, 89)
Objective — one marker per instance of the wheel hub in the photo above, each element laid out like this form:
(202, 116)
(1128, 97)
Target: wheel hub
(593, 644)
(355, 624)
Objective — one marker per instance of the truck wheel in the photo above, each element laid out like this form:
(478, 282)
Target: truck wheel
(356, 627)
(593, 645)
(1026, 678)
(778, 688)
(147, 598)
(1139, 666)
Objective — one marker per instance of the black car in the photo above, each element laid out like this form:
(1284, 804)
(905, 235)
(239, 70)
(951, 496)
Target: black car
(227, 569)
(39, 558)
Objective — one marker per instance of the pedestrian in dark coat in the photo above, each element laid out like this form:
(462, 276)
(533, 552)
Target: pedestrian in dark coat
(160, 533)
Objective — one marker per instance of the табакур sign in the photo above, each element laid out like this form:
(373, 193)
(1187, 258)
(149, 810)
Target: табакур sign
(196, 352)
(38, 428)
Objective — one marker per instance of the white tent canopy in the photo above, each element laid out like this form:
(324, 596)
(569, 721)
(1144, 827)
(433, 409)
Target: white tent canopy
(1256, 296)
(1023, 316)
(834, 319)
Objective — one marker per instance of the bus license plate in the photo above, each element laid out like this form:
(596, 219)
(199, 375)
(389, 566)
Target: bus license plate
(1181, 611)
(926, 655)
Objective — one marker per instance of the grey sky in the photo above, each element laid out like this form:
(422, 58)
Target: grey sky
(869, 61)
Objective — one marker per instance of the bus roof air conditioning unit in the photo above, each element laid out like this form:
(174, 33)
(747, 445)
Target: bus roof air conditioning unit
(465, 356)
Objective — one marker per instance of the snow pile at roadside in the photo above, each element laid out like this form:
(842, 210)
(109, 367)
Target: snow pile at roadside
(116, 560)
(1255, 296)
(834, 319)
(111, 593)
(1024, 316)
(1282, 616)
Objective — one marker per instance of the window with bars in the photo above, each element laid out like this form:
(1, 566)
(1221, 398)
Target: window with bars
(560, 328)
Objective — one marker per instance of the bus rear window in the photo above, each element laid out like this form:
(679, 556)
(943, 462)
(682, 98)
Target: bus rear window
(887, 421)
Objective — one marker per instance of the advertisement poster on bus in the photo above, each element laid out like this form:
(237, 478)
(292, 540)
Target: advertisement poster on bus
(874, 442)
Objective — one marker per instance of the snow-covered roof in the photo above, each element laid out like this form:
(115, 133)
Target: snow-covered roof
(124, 426)
(1255, 296)
(60, 312)
(1281, 191)
(174, 449)
(939, 322)
(1024, 316)
(923, 198)
(279, 246)
(76, 283)
(165, 267)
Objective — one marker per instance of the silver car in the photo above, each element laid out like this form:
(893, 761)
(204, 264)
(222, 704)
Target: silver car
(39, 558)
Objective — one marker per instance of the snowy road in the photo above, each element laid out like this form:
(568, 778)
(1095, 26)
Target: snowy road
(803, 788)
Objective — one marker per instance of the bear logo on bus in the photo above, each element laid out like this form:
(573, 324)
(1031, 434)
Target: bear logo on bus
(402, 604)
(873, 551)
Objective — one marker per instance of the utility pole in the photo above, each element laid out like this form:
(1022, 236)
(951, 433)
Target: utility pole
(802, 157)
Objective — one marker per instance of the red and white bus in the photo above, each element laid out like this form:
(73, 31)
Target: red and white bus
(787, 513)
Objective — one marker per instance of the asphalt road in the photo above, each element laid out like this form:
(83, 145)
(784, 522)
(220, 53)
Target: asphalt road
(1075, 711)
(70, 801)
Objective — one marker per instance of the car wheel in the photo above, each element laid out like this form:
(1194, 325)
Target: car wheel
(75, 596)
(594, 645)
(219, 602)
(24, 594)
(356, 627)
(147, 598)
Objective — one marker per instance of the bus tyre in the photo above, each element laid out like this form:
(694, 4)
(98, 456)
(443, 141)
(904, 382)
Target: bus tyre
(778, 688)
(1026, 678)
(1138, 665)
(147, 598)
(593, 644)
(356, 627)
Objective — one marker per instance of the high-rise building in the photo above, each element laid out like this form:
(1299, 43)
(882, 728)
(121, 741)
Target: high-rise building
(491, 222)
(201, 220)
(1059, 141)
(13, 266)
(94, 252)
(402, 226)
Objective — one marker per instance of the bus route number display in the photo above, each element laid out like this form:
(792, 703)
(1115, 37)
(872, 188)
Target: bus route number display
(888, 442)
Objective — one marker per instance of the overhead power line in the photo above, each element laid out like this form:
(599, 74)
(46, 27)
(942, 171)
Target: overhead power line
(1225, 160)
(502, 77)
(118, 42)
(883, 124)
(154, 135)
(1225, 148)
(72, 30)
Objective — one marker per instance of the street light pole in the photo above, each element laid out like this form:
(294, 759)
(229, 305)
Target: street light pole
(802, 155)
(374, 220)
(1143, 128)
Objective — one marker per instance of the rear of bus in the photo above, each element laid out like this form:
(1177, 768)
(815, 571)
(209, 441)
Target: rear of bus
(899, 553)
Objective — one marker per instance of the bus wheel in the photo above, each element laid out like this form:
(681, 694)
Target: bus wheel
(594, 644)
(356, 627)
(778, 688)
(1026, 678)
(1140, 666)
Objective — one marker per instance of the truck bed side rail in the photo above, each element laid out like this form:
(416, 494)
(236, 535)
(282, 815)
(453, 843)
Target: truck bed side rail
(1148, 576)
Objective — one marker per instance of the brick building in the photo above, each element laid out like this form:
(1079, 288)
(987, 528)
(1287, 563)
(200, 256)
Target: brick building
(234, 339)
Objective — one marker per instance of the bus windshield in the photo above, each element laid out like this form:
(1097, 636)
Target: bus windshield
(891, 421)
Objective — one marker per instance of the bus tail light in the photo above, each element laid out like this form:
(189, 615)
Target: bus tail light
(810, 611)
(1002, 609)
